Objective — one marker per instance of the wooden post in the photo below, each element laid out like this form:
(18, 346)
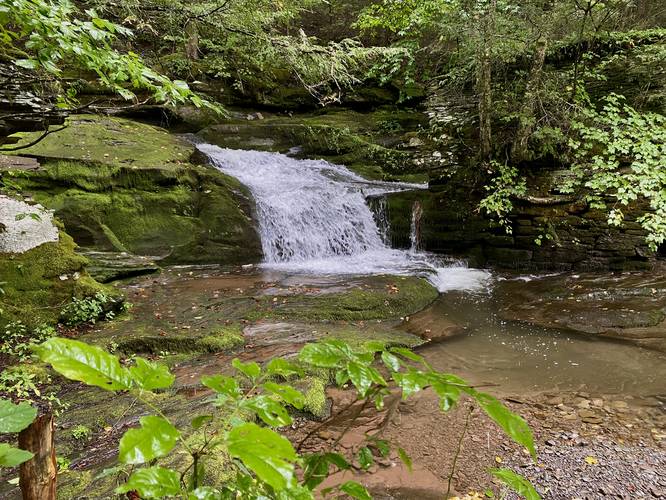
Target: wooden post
(37, 476)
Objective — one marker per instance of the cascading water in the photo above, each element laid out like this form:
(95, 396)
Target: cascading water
(313, 217)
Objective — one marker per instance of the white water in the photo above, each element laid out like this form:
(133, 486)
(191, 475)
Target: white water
(313, 218)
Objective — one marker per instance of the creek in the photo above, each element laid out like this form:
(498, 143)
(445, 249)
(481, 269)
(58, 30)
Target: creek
(321, 221)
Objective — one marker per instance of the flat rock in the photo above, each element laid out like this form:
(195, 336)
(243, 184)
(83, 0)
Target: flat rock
(23, 226)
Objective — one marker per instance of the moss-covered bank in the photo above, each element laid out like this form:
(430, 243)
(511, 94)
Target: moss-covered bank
(125, 186)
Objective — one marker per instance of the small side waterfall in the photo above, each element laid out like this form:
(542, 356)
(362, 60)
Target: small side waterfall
(415, 229)
(314, 217)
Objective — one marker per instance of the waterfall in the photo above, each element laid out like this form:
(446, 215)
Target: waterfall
(415, 229)
(314, 217)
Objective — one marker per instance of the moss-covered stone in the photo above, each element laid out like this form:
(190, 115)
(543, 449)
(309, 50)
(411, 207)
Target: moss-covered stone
(371, 144)
(124, 186)
(37, 284)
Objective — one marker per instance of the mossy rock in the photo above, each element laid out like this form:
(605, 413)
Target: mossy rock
(37, 284)
(124, 186)
(371, 144)
(389, 297)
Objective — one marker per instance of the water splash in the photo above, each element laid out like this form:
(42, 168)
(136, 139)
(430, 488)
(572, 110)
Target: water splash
(313, 217)
(415, 228)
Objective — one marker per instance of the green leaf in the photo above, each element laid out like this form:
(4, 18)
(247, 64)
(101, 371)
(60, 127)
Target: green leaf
(153, 482)
(204, 493)
(355, 490)
(282, 367)
(391, 361)
(365, 457)
(27, 63)
(268, 410)
(363, 377)
(11, 457)
(155, 438)
(85, 363)
(201, 420)
(252, 370)
(149, 376)
(517, 483)
(287, 393)
(324, 355)
(15, 418)
(266, 453)
(222, 384)
(405, 458)
(514, 425)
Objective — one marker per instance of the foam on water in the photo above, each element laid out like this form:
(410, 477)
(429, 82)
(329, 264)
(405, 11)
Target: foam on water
(314, 218)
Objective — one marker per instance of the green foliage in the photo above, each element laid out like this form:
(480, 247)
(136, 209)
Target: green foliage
(618, 153)
(81, 433)
(505, 185)
(263, 464)
(516, 482)
(14, 418)
(44, 36)
(89, 309)
(17, 340)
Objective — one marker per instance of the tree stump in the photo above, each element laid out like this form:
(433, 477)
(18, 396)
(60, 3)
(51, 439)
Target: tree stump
(37, 476)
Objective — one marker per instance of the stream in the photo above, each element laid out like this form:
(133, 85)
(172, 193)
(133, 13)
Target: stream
(316, 225)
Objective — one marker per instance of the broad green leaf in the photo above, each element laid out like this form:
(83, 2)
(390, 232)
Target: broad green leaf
(405, 458)
(410, 382)
(201, 420)
(155, 438)
(324, 355)
(222, 384)
(391, 361)
(153, 482)
(85, 363)
(316, 467)
(514, 425)
(11, 457)
(268, 410)
(363, 376)
(365, 457)
(204, 493)
(270, 456)
(287, 393)
(341, 377)
(252, 370)
(517, 483)
(282, 367)
(15, 418)
(406, 353)
(382, 445)
(355, 490)
(448, 394)
(149, 376)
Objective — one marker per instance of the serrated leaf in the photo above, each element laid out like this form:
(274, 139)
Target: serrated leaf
(268, 410)
(282, 367)
(324, 355)
(222, 384)
(155, 438)
(270, 456)
(15, 418)
(252, 370)
(513, 425)
(405, 458)
(11, 457)
(362, 377)
(365, 458)
(355, 490)
(517, 483)
(149, 376)
(201, 420)
(85, 363)
(391, 361)
(153, 482)
(287, 393)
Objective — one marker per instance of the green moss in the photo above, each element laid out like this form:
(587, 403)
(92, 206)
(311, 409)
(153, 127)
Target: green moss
(218, 340)
(222, 339)
(315, 397)
(42, 280)
(111, 141)
(390, 297)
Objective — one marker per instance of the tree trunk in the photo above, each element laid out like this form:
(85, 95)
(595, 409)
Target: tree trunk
(484, 81)
(37, 476)
(192, 44)
(527, 111)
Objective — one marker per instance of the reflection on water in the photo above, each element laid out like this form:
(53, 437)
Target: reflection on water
(519, 357)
